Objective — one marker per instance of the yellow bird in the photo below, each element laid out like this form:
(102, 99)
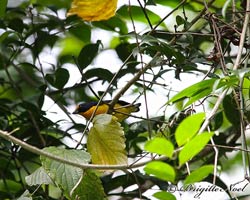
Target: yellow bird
(121, 110)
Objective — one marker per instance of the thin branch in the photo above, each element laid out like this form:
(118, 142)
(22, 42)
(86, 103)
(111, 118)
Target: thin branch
(138, 183)
(198, 17)
(35, 150)
(213, 111)
(216, 151)
(243, 35)
(143, 75)
(66, 89)
(245, 156)
(217, 39)
(188, 168)
(33, 120)
(84, 77)
(134, 79)
(145, 14)
(183, 33)
(228, 147)
(170, 13)
(19, 94)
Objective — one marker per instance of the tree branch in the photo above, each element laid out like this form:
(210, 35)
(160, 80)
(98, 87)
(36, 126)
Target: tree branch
(35, 150)
(236, 65)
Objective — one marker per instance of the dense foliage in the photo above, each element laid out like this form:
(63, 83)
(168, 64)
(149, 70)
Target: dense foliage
(198, 132)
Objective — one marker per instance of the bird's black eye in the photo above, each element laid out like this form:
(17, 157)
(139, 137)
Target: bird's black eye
(83, 108)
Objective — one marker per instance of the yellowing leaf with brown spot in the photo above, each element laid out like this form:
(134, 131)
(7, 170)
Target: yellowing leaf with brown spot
(93, 10)
(106, 141)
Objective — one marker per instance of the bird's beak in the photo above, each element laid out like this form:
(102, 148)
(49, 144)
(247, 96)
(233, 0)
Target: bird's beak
(76, 110)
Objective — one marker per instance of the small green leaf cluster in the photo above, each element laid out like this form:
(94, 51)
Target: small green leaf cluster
(190, 144)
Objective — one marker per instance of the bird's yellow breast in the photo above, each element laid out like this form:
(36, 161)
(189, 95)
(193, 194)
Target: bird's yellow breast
(121, 110)
(100, 110)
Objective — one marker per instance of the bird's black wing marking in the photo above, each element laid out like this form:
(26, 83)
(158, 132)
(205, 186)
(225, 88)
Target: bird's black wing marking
(122, 103)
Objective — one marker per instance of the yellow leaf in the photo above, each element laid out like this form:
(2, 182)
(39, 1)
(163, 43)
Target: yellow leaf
(93, 10)
(106, 141)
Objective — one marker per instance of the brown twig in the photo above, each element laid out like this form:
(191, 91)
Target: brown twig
(135, 78)
(35, 150)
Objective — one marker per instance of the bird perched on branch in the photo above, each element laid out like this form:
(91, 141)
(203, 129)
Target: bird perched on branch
(121, 110)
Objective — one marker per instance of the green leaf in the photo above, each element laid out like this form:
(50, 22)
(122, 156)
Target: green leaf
(162, 195)
(106, 141)
(10, 186)
(3, 4)
(59, 79)
(50, 78)
(179, 20)
(70, 46)
(124, 50)
(44, 38)
(87, 54)
(217, 121)
(188, 128)
(194, 91)
(161, 170)
(245, 89)
(194, 146)
(4, 35)
(38, 177)
(65, 175)
(229, 81)
(137, 14)
(90, 187)
(160, 146)
(151, 2)
(17, 25)
(115, 24)
(101, 73)
(170, 51)
(62, 77)
(169, 3)
(246, 95)
(202, 89)
(199, 174)
(231, 110)
(82, 31)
